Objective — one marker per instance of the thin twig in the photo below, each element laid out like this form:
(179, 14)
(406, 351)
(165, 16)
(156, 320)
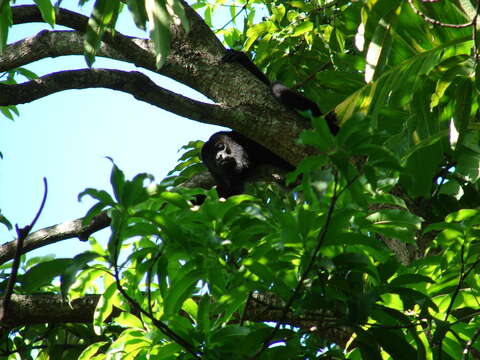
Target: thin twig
(244, 8)
(434, 21)
(22, 233)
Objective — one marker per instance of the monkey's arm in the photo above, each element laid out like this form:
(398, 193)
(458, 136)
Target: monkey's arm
(242, 58)
(288, 97)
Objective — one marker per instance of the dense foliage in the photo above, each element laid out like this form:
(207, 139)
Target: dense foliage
(374, 254)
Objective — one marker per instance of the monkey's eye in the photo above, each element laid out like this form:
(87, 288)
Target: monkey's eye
(220, 146)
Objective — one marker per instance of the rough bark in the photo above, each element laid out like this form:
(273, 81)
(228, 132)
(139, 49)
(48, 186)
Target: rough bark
(52, 234)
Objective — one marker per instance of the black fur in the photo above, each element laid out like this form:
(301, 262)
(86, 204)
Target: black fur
(233, 159)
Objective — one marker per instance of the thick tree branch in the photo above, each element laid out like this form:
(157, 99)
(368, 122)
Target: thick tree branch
(51, 308)
(50, 44)
(53, 234)
(136, 50)
(134, 83)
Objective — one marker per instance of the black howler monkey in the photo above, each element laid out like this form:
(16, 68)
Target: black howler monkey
(232, 158)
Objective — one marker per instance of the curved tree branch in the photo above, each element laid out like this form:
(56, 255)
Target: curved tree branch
(50, 44)
(134, 83)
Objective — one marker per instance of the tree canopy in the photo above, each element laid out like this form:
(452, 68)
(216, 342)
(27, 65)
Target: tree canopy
(369, 252)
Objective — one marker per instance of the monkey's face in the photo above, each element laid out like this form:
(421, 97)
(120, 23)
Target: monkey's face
(224, 155)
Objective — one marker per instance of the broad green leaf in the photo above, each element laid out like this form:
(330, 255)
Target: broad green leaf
(103, 17)
(129, 320)
(47, 11)
(394, 342)
(203, 314)
(104, 307)
(4, 221)
(305, 26)
(175, 199)
(410, 279)
(159, 20)
(379, 46)
(69, 275)
(117, 180)
(43, 273)
(180, 290)
(461, 215)
(91, 350)
(278, 12)
(258, 30)
(463, 105)
(5, 22)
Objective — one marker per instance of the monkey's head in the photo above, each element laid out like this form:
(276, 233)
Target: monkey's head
(222, 155)
(228, 162)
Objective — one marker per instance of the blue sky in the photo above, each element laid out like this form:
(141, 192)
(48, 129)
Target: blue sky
(66, 137)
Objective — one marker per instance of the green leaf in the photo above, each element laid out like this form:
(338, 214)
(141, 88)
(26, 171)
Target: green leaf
(5, 22)
(4, 221)
(47, 11)
(203, 314)
(394, 342)
(159, 20)
(129, 320)
(134, 191)
(117, 180)
(175, 199)
(461, 215)
(463, 105)
(367, 345)
(102, 196)
(180, 290)
(278, 12)
(423, 165)
(410, 279)
(30, 75)
(380, 45)
(411, 297)
(137, 8)
(104, 307)
(43, 274)
(305, 26)
(258, 30)
(89, 352)
(103, 17)
(69, 275)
